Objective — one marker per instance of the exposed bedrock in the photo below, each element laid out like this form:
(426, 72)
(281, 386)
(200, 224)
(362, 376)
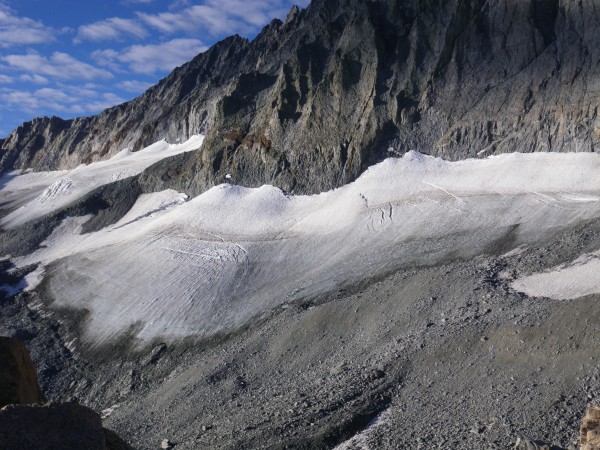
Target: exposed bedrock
(18, 376)
(312, 101)
(26, 423)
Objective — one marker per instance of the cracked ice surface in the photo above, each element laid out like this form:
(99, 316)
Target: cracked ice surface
(172, 269)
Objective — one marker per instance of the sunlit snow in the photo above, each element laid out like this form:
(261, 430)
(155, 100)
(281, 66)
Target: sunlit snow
(35, 194)
(566, 282)
(173, 268)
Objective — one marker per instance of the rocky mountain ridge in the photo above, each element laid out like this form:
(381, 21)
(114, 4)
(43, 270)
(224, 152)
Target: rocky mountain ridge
(311, 102)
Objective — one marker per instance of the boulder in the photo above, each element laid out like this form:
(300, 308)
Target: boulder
(26, 423)
(590, 429)
(18, 376)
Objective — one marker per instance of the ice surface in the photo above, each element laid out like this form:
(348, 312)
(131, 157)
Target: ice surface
(173, 268)
(565, 282)
(34, 194)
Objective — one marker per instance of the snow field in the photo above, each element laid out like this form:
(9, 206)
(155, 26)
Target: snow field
(34, 194)
(173, 268)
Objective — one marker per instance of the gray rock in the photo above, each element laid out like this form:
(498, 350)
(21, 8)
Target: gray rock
(311, 103)
(18, 376)
(51, 426)
(113, 441)
(166, 444)
(524, 443)
(340, 368)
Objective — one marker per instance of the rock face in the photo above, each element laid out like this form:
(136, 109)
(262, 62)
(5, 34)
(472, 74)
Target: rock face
(51, 426)
(54, 425)
(27, 424)
(590, 429)
(18, 376)
(312, 101)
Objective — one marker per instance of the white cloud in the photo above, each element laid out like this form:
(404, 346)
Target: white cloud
(15, 30)
(105, 100)
(28, 101)
(58, 66)
(134, 86)
(149, 59)
(37, 79)
(108, 58)
(5, 79)
(218, 17)
(176, 4)
(110, 29)
(69, 100)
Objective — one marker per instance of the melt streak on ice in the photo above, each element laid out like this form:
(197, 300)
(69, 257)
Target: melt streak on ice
(173, 268)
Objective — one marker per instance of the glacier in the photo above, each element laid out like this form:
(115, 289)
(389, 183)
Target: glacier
(175, 267)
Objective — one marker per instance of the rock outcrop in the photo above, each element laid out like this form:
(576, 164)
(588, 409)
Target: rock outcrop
(18, 376)
(28, 424)
(313, 101)
(590, 429)
(50, 426)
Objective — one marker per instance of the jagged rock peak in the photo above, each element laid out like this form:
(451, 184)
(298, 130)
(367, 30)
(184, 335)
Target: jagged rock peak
(311, 102)
(294, 11)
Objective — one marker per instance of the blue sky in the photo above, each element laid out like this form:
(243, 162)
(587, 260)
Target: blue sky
(71, 58)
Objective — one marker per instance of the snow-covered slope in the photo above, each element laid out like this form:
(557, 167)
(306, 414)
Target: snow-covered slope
(173, 268)
(35, 194)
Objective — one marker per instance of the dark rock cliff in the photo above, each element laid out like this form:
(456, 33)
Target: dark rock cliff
(313, 101)
(18, 376)
(26, 423)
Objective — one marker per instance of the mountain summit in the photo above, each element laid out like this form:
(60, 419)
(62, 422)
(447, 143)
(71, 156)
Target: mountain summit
(311, 102)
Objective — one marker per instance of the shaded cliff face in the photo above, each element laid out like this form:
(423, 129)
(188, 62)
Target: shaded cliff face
(312, 102)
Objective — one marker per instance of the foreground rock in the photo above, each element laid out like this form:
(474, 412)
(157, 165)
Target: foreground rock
(53, 425)
(25, 425)
(18, 376)
(64, 426)
(590, 429)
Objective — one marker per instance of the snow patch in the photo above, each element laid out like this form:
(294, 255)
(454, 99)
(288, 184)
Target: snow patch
(106, 413)
(360, 440)
(565, 282)
(31, 195)
(28, 283)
